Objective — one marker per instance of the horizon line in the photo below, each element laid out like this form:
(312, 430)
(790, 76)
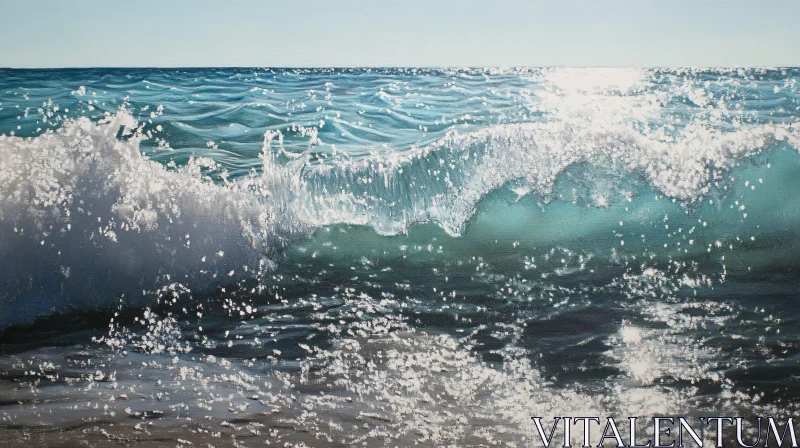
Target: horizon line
(434, 67)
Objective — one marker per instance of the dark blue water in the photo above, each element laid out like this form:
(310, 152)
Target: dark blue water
(393, 256)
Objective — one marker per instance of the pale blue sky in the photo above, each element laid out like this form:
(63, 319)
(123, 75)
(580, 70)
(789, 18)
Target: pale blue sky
(85, 33)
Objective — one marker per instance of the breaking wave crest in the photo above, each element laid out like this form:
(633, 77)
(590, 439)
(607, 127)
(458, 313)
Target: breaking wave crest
(444, 182)
(623, 242)
(96, 220)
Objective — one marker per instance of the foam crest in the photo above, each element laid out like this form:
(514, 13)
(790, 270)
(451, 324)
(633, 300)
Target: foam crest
(86, 218)
(594, 118)
(97, 220)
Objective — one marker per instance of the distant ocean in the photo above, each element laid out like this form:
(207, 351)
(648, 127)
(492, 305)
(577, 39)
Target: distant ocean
(391, 257)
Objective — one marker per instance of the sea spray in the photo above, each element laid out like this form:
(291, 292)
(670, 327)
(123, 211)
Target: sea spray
(96, 220)
(446, 253)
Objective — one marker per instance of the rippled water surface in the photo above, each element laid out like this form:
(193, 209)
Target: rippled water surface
(390, 257)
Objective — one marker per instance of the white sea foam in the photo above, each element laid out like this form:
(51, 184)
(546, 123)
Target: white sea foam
(376, 380)
(604, 118)
(85, 218)
(97, 219)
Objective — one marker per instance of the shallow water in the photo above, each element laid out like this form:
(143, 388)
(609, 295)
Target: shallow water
(392, 257)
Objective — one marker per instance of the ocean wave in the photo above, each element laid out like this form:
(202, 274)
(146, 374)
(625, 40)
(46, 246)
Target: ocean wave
(444, 182)
(85, 218)
(97, 220)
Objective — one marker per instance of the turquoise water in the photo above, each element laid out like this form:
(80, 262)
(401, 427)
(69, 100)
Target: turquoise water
(432, 256)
